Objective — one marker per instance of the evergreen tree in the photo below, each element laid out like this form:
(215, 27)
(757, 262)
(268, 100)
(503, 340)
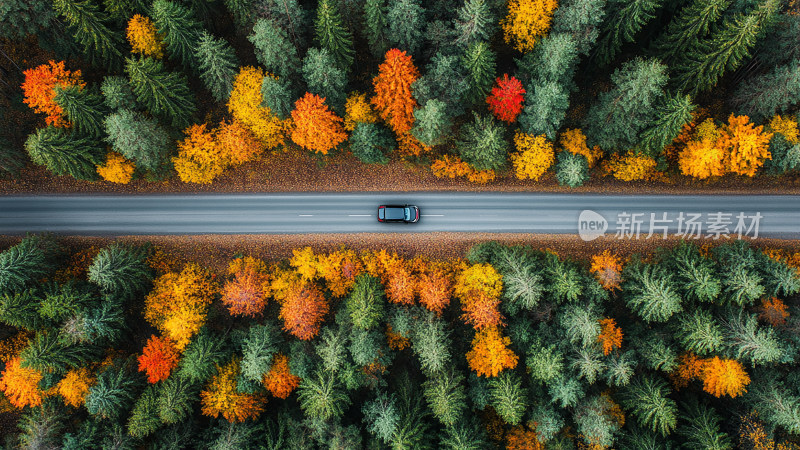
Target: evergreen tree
(615, 121)
(64, 152)
(138, 138)
(120, 270)
(21, 18)
(545, 362)
(479, 60)
(746, 341)
(274, 50)
(482, 144)
(200, 357)
(475, 22)
(431, 342)
(464, 435)
(83, 108)
(545, 109)
(277, 96)
(144, 420)
(432, 123)
(777, 405)
(572, 169)
(165, 94)
(321, 397)
(22, 264)
(445, 80)
(694, 275)
(785, 156)
(670, 116)
(779, 45)
(619, 370)
(324, 78)
(406, 22)
(563, 280)
(581, 19)
(508, 397)
(370, 143)
(89, 27)
(375, 27)
(180, 29)
(594, 421)
(554, 59)
(113, 393)
(175, 398)
(725, 50)
(765, 95)
(63, 301)
(122, 10)
(701, 428)
(581, 324)
(699, 333)
(11, 160)
(243, 13)
(624, 20)
(366, 302)
(21, 310)
(41, 426)
(381, 416)
(217, 64)
(647, 399)
(102, 325)
(650, 292)
(690, 25)
(257, 351)
(46, 353)
(333, 36)
(523, 284)
(446, 396)
(117, 93)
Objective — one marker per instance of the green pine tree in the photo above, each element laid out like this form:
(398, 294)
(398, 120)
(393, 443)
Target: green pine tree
(431, 124)
(701, 428)
(508, 397)
(217, 64)
(774, 92)
(545, 362)
(546, 105)
(563, 279)
(475, 21)
(165, 94)
(670, 116)
(725, 50)
(139, 138)
(113, 394)
(445, 80)
(88, 25)
(785, 156)
(699, 332)
(620, 367)
(581, 19)
(42, 426)
(117, 93)
(375, 27)
(144, 420)
(523, 284)
(695, 275)
(22, 18)
(776, 404)
(257, 351)
(588, 364)
(650, 292)
(366, 301)
(572, 169)
(431, 342)
(47, 353)
(616, 120)
(121, 270)
(333, 36)
(479, 60)
(625, 18)
(594, 420)
(406, 19)
(22, 264)
(176, 396)
(580, 324)
(371, 143)
(482, 143)
(690, 25)
(446, 396)
(21, 310)
(200, 357)
(647, 400)
(746, 341)
(63, 301)
(180, 29)
(274, 50)
(276, 95)
(322, 397)
(84, 109)
(382, 416)
(65, 152)
(464, 435)
(324, 78)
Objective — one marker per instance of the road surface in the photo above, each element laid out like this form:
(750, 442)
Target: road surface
(768, 215)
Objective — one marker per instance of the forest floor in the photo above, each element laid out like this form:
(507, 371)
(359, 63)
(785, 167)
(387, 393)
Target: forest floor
(216, 251)
(302, 172)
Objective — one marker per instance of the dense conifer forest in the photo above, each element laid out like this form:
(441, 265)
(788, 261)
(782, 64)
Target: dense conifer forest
(654, 90)
(510, 347)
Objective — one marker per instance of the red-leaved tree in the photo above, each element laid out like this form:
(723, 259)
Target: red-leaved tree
(505, 100)
(158, 359)
(303, 309)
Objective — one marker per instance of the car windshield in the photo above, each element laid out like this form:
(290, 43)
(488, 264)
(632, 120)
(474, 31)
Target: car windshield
(408, 213)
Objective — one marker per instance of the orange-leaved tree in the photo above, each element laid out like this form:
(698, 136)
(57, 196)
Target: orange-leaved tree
(339, 269)
(534, 156)
(395, 340)
(303, 310)
(358, 110)
(144, 37)
(505, 100)
(75, 385)
(747, 147)
(393, 98)
(408, 145)
(237, 143)
(221, 396)
(178, 304)
(400, 283)
(246, 293)
(199, 159)
(773, 310)
(158, 358)
(21, 384)
(690, 367)
(315, 126)
(479, 287)
(574, 141)
(39, 89)
(245, 106)
(724, 377)
(607, 268)
(449, 167)
(117, 169)
(631, 167)
(280, 381)
(610, 336)
(527, 22)
(523, 438)
(435, 287)
(490, 354)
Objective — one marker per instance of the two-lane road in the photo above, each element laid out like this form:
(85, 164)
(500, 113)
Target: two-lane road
(353, 213)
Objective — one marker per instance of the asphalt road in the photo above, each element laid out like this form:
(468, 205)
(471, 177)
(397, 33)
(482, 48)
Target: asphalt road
(350, 213)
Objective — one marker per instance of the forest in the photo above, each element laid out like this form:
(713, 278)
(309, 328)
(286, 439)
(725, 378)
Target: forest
(655, 90)
(126, 346)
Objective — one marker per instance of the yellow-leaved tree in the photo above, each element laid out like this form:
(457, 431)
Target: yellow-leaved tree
(144, 37)
(574, 141)
(199, 159)
(534, 156)
(703, 156)
(245, 105)
(747, 146)
(117, 169)
(358, 110)
(527, 22)
(490, 354)
(631, 167)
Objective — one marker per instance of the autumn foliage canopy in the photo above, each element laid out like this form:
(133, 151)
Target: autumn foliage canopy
(21, 384)
(221, 397)
(247, 292)
(158, 359)
(280, 381)
(505, 101)
(39, 89)
(393, 97)
(490, 354)
(315, 126)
